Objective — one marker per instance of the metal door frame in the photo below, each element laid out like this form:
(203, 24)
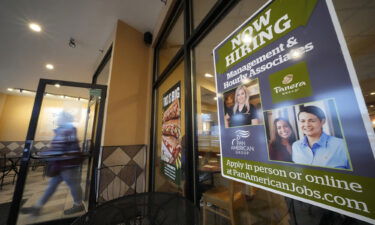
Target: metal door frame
(21, 180)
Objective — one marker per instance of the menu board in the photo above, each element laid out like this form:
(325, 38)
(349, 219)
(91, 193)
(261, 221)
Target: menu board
(292, 118)
(171, 134)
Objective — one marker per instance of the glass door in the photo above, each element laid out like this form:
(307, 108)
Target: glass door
(60, 154)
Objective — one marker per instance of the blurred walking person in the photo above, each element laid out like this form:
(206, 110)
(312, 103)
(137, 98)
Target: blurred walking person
(64, 167)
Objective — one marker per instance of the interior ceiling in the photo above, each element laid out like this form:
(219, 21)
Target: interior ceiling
(357, 19)
(24, 54)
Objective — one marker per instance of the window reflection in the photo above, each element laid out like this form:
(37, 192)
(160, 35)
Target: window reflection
(172, 44)
(357, 22)
(200, 10)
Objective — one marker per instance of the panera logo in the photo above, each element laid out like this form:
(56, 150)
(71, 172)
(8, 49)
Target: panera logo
(293, 87)
(290, 83)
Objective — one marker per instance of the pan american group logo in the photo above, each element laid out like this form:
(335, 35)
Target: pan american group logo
(290, 83)
(239, 145)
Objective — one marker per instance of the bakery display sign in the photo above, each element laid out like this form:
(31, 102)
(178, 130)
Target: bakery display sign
(171, 134)
(292, 117)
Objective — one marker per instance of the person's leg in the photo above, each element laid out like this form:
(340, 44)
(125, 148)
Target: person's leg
(72, 178)
(52, 185)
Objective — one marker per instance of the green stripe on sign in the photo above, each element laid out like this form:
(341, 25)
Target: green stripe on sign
(342, 191)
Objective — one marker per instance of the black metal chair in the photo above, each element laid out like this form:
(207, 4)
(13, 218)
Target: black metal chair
(5, 170)
(116, 181)
(38, 162)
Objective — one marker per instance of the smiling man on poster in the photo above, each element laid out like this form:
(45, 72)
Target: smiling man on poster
(316, 147)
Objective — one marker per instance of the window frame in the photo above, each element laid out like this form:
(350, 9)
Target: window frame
(192, 38)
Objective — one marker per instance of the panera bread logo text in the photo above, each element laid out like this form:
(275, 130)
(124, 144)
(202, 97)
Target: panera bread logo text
(289, 88)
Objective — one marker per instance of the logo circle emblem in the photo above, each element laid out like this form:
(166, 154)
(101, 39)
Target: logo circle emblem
(287, 79)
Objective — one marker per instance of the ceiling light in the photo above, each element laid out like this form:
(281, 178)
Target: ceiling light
(27, 92)
(50, 66)
(371, 106)
(246, 39)
(372, 93)
(10, 89)
(295, 53)
(245, 81)
(35, 27)
(215, 98)
(57, 85)
(208, 75)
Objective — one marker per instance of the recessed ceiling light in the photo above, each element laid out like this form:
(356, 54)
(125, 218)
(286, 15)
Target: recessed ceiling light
(208, 75)
(57, 85)
(27, 92)
(245, 81)
(50, 66)
(35, 27)
(296, 53)
(10, 89)
(246, 39)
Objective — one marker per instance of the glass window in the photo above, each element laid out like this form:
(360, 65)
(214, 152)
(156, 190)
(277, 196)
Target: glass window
(171, 44)
(200, 10)
(357, 20)
(260, 206)
(170, 131)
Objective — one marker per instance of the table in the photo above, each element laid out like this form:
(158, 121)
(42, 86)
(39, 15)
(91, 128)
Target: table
(150, 208)
(213, 168)
(207, 171)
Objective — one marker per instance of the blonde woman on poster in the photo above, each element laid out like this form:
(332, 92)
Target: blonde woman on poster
(243, 113)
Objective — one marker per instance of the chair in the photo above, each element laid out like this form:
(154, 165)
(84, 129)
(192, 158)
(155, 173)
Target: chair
(224, 199)
(5, 169)
(116, 181)
(35, 163)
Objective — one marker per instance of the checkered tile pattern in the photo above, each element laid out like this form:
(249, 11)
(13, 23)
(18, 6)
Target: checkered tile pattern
(15, 148)
(12, 148)
(127, 168)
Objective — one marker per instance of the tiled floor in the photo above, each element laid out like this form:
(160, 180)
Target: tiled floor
(36, 183)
